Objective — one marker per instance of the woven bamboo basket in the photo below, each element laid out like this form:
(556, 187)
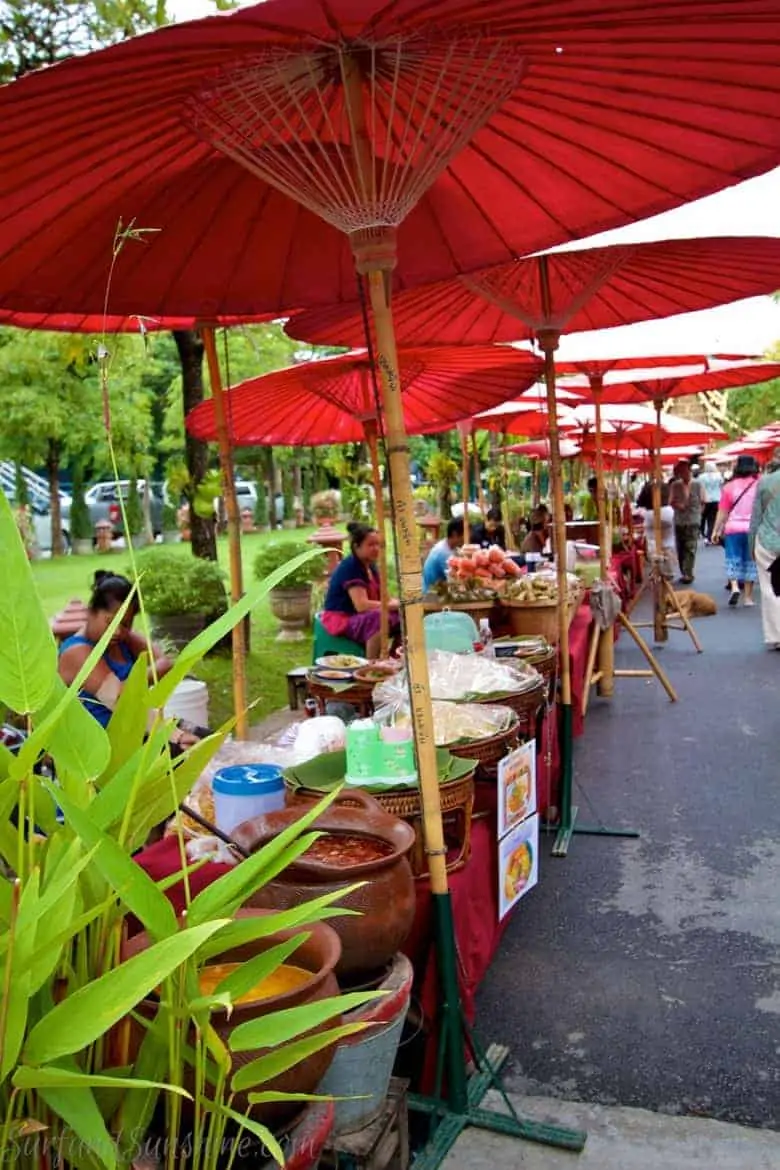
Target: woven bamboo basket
(547, 665)
(457, 803)
(536, 617)
(488, 752)
(526, 704)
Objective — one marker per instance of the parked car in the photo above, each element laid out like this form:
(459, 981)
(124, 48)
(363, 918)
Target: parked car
(103, 502)
(40, 516)
(246, 495)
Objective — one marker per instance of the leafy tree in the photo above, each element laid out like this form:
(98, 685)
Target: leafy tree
(752, 407)
(34, 33)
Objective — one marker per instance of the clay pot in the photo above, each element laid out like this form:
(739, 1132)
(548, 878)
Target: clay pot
(319, 954)
(386, 903)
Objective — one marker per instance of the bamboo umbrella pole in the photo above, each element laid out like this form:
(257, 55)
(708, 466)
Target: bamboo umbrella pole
(234, 530)
(478, 474)
(463, 429)
(535, 485)
(660, 631)
(511, 544)
(370, 428)
(606, 686)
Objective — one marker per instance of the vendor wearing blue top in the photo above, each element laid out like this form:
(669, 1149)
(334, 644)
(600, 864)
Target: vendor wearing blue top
(352, 605)
(101, 689)
(435, 567)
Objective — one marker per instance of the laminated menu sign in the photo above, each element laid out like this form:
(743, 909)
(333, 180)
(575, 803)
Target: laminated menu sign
(518, 863)
(516, 787)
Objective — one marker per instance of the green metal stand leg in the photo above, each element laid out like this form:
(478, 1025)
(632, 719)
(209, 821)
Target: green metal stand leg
(462, 1105)
(567, 825)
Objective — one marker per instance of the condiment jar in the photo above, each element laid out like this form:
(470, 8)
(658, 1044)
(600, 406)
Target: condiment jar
(243, 791)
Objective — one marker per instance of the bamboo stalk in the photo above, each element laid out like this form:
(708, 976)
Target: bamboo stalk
(660, 631)
(234, 530)
(606, 684)
(370, 428)
(511, 543)
(478, 475)
(410, 573)
(464, 463)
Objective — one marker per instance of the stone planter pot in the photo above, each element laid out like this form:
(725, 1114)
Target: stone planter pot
(288, 525)
(82, 546)
(171, 537)
(138, 540)
(178, 628)
(292, 609)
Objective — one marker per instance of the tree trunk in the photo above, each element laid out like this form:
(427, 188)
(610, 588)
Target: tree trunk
(190, 347)
(53, 470)
(272, 480)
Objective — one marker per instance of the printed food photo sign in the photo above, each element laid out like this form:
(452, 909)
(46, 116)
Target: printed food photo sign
(516, 787)
(518, 864)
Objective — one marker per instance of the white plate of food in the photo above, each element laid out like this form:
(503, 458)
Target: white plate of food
(341, 661)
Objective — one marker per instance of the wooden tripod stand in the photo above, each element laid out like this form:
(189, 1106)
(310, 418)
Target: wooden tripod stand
(667, 612)
(593, 676)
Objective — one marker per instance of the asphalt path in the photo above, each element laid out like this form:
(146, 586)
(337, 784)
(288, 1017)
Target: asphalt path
(647, 972)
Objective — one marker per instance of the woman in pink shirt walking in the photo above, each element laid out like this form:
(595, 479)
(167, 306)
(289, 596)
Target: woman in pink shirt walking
(733, 524)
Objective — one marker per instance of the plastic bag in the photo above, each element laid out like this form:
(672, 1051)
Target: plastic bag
(459, 722)
(457, 677)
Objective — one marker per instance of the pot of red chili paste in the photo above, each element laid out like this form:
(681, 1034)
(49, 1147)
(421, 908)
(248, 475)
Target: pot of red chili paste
(360, 842)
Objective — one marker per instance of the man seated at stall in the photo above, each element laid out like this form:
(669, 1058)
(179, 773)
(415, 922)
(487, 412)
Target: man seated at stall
(435, 567)
(490, 531)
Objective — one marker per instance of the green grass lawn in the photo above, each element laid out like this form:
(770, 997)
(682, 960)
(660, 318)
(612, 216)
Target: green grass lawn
(66, 578)
(60, 580)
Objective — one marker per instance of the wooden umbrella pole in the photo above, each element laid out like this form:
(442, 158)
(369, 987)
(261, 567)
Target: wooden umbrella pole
(370, 428)
(234, 530)
(606, 685)
(410, 581)
(660, 631)
(463, 429)
(548, 339)
(511, 543)
(535, 485)
(478, 474)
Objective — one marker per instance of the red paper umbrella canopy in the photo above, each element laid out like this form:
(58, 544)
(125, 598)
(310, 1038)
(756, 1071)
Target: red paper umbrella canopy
(328, 401)
(592, 288)
(108, 323)
(659, 385)
(497, 128)
(540, 449)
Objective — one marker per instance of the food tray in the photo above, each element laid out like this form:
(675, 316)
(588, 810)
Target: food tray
(488, 752)
(527, 705)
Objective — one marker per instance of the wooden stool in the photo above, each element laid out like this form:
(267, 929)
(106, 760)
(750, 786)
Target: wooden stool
(296, 686)
(382, 1145)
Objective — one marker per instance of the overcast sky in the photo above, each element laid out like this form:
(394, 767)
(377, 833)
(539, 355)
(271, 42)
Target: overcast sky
(751, 208)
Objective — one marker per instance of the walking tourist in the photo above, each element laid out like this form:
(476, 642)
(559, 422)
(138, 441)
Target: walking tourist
(685, 496)
(644, 503)
(711, 482)
(732, 523)
(765, 534)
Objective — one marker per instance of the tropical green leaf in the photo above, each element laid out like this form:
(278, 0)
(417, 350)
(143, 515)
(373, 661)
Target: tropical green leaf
(90, 1011)
(258, 1130)
(280, 1027)
(76, 742)
(16, 1008)
(79, 1110)
(137, 1109)
(9, 834)
(162, 797)
(251, 972)
(129, 881)
(128, 724)
(146, 763)
(28, 655)
(51, 1077)
(245, 930)
(233, 888)
(273, 1064)
(191, 655)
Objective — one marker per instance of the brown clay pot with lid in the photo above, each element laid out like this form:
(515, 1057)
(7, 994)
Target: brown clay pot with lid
(385, 902)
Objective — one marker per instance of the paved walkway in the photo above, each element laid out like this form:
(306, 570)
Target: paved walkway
(647, 973)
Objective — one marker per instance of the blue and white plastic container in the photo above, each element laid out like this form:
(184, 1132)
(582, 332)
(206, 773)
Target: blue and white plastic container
(243, 791)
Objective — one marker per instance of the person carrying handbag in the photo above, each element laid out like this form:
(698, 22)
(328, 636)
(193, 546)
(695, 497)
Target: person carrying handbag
(765, 535)
(732, 524)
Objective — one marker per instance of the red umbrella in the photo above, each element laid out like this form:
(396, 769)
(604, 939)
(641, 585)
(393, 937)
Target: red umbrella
(589, 288)
(109, 323)
(328, 401)
(540, 449)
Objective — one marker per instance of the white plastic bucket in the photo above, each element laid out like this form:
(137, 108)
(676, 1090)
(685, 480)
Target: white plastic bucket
(190, 701)
(244, 791)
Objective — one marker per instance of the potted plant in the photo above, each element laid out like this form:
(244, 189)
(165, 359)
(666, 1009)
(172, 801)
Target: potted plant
(325, 507)
(97, 1074)
(181, 593)
(291, 600)
(134, 515)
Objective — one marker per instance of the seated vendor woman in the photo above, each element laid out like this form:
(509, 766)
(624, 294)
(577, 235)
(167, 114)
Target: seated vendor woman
(101, 689)
(352, 605)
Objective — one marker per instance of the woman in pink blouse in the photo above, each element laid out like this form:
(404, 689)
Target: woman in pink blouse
(733, 524)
